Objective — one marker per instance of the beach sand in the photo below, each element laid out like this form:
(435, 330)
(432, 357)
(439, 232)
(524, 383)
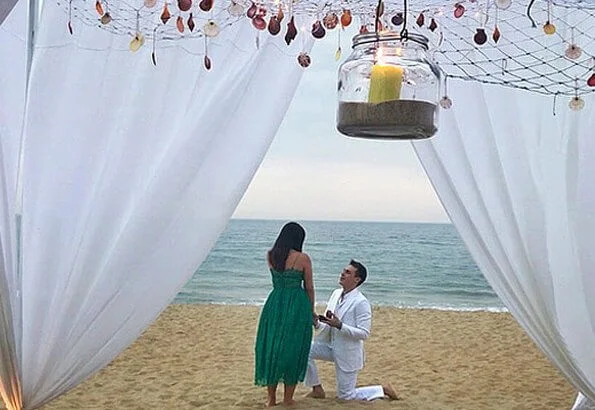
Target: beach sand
(201, 357)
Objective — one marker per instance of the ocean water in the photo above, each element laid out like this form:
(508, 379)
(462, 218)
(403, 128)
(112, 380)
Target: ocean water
(409, 265)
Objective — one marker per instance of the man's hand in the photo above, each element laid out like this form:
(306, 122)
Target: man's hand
(333, 320)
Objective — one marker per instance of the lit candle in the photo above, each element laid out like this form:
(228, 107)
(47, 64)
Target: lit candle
(385, 83)
(385, 80)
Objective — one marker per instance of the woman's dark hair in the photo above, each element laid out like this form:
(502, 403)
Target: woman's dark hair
(292, 236)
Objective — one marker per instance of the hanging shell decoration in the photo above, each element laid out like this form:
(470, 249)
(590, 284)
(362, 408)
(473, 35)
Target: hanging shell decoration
(346, 18)
(211, 29)
(318, 30)
(573, 52)
(274, 25)
(549, 28)
(330, 21)
(206, 18)
(106, 18)
(137, 42)
(445, 102)
(235, 9)
(304, 60)
(576, 103)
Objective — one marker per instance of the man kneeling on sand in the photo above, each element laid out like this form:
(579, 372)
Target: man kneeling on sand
(343, 329)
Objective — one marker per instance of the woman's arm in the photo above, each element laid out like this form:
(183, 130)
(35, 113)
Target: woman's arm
(309, 280)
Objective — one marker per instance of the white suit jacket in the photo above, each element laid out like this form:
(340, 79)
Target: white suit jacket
(347, 343)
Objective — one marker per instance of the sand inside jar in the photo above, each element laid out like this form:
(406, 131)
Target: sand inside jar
(398, 119)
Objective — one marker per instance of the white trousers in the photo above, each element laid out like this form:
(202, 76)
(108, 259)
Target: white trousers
(346, 381)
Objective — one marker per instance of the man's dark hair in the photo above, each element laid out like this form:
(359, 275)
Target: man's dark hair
(361, 272)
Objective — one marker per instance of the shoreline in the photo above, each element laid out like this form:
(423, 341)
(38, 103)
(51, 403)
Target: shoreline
(201, 357)
(440, 308)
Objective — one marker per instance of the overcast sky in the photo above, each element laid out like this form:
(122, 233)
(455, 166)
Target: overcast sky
(311, 172)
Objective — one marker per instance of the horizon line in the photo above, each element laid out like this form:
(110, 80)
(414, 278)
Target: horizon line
(337, 220)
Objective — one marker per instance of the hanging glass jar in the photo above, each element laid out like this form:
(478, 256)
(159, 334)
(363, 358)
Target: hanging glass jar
(388, 88)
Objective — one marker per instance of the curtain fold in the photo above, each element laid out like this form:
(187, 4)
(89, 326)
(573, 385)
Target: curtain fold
(130, 173)
(12, 103)
(513, 178)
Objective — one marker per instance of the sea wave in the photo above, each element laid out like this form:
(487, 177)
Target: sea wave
(429, 306)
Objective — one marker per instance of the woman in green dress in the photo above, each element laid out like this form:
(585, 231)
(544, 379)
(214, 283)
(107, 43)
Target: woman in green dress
(285, 327)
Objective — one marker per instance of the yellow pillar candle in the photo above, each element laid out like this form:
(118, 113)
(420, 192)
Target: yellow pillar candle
(385, 83)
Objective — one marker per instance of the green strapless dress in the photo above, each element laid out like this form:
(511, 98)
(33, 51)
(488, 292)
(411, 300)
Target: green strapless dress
(284, 332)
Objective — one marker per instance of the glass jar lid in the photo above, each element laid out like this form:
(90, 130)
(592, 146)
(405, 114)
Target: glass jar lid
(368, 38)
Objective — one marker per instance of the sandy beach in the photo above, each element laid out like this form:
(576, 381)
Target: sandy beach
(201, 357)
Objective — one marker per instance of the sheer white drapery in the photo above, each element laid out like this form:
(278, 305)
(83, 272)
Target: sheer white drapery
(583, 403)
(130, 173)
(13, 40)
(514, 180)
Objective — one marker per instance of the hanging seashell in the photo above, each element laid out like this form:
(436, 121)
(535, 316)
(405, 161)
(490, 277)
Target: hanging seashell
(304, 60)
(346, 18)
(549, 28)
(70, 27)
(99, 8)
(420, 20)
(397, 19)
(180, 24)
(576, 104)
(206, 5)
(459, 10)
(106, 18)
(433, 25)
(280, 14)
(446, 102)
(235, 9)
(330, 21)
(496, 34)
(291, 31)
(259, 23)
(318, 30)
(338, 54)
(154, 58)
(137, 42)
(274, 25)
(480, 36)
(503, 4)
(190, 23)
(591, 81)
(165, 16)
(573, 52)
(184, 5)
(150, 3)
(363, 29)
(210, 29)
(207, 62)
(252, 11)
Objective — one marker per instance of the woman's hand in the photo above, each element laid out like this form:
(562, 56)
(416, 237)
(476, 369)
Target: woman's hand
(315, 319)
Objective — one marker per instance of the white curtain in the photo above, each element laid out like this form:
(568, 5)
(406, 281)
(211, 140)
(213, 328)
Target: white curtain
(516, 182)
(13, 41)
(130, 173)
